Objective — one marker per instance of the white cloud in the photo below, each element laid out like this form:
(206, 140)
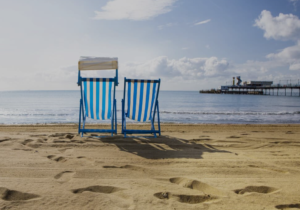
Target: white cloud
(184, 68)
(282, 27)
(134, 9)
(295, 66)
(203, 22)
(289, 55)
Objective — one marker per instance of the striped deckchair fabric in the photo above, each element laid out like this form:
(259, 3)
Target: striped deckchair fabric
(98, 95)
(93, 90)
(142, 104)
(141, 98)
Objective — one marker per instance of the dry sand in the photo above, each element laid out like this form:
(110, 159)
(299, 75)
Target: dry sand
(188, 167)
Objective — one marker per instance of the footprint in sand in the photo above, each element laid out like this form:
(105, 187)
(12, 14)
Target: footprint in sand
(58, 141)
(289, 132)
(13, 195)
(27, 141)
(66, 150)
(233, 137)
(288, 206)
(130, 167)
(202, 139)
(197, 185)
(38, 135)
(256, 189)
(57, 158)
(64, 176)
(60, 134)
(78, 141)
(33, 143)
(209, 193)
(41, 140)
(190, 199)
(23, 149)
(5, 139)
(98, 189)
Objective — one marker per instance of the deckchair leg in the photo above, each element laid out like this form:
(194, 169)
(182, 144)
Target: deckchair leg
(116, 125)
(83, 124)
(152, 127)
(83, 117)
(79, 116)
(124, 128)
(112, 120)
(123, 120)
(158, 119)
(122, 116)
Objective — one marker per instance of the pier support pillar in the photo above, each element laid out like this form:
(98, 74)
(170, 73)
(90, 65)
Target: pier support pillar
(285, 91)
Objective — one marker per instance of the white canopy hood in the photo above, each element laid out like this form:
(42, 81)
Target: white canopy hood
(97, 63)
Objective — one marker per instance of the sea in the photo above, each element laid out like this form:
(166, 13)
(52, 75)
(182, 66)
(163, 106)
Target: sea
(54, 107)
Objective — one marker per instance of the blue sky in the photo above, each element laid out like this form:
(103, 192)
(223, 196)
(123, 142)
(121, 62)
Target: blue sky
(189, 44)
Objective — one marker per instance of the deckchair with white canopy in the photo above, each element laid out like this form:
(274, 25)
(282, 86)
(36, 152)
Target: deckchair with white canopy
(96, 100)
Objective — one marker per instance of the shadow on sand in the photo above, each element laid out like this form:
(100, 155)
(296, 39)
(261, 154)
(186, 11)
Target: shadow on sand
(163, 147)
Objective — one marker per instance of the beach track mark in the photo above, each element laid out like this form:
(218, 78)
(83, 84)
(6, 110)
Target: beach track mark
(97, 189)
(269, 169)
(13, 195)
(257, 189)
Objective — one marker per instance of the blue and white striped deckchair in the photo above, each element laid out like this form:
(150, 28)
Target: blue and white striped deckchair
(142, 104)
(97, 95)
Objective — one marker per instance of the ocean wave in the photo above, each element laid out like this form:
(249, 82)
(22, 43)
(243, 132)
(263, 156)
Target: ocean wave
(161, 112)
(228, 113)
(34, 114)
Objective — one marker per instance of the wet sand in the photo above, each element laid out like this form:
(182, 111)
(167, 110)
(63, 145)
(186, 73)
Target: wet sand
(188, 167)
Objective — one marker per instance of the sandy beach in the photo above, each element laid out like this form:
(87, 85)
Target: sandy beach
(188, 167)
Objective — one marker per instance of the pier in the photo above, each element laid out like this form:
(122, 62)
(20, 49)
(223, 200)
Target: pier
(272, 90)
